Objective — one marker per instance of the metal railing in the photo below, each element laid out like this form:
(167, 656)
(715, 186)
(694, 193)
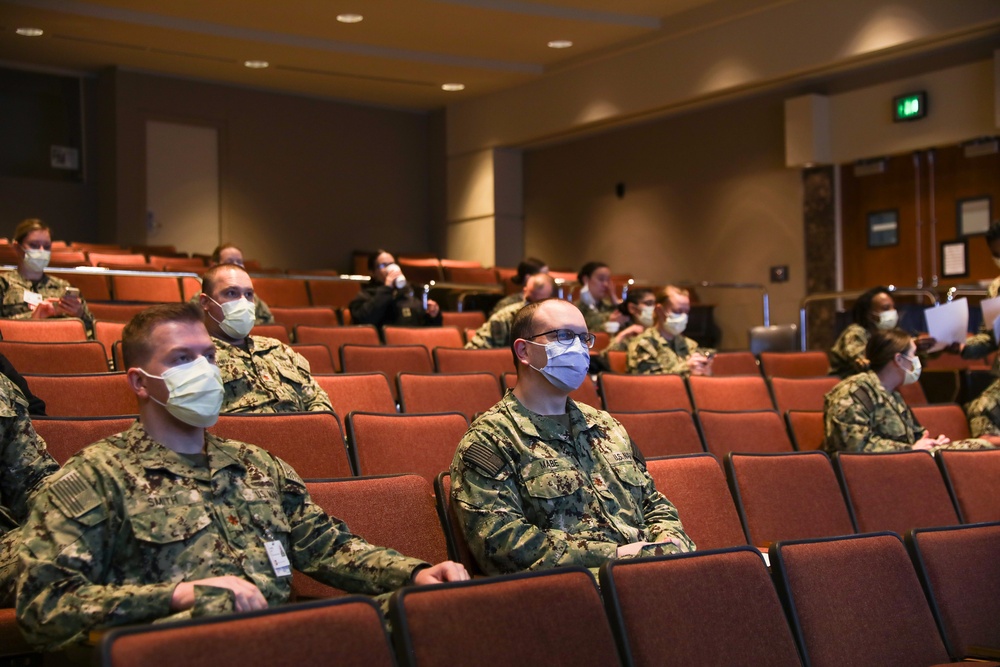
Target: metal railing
(804, 304)
(765, 303)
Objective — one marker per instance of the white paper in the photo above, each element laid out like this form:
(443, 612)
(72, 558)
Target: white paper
(996, 329)
(990, 308)
(949, 322)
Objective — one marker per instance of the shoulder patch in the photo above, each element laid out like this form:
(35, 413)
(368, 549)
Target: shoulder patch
(864, 397)
(73, 495)
(482, 458)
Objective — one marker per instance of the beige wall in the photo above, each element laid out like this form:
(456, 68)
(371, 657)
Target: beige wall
(707, 198)
(304, 182)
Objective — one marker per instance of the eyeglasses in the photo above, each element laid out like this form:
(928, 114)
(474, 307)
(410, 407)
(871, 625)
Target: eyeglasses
(382, 265)
(565, 336)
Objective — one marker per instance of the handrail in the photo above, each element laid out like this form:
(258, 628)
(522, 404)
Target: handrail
(930, 294)
(755, 286)
(965, 291)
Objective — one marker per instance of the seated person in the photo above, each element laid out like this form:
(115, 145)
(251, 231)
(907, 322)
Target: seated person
(167, 521)
(24, 464)
(30, 293)
(662, 348)
(227, 253)
(865, 413)
(259, 374)
(389, 300)
(36, 406)
(635, 314)
(873, 311)
(525, 270)
(598, 300)
(541, 481)
(495, 332)
(983, 343)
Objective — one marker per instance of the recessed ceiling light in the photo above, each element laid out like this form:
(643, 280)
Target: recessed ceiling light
(256, 64)
(452, 87)
(350, 18)
(30, 32)
(560, 44)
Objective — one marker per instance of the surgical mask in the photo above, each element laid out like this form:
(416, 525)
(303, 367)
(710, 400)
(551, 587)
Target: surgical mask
(888, 319)
(676, 323)
(36, 260)
(645, 316)
(914, 374)
(238, 317)
(567, 365)
(195, 392)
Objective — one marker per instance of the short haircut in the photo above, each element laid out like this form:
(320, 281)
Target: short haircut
(863, 307)
(25, 227)
(529, 267)
(138, 332)
(373, 258)
(208, 279)
(588, 270)
(217, 253)
(545, 278)
(883, 347)
(521, 326)
(993, 233)
(669, 290)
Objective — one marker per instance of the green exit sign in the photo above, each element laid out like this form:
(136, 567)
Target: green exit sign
(911, 106)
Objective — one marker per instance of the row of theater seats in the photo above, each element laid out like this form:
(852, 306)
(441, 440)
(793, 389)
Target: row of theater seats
(850, 599)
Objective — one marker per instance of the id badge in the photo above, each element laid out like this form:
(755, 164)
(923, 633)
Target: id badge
(33, 298)
(279, 561)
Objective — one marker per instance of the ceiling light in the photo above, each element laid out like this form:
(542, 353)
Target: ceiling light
(560, 44)
(452, 87)
(350, 18)
(30, 32)
(256, 64)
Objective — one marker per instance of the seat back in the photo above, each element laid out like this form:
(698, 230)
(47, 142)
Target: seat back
(318, 357)
(725, 432)
(528, 617)
(730, 394)
(585, 393)
(421, 271)
(361, 392)
(384, 444)
(806, 428)
(429, 337)
(282, 292)
(958, 567)
(65, 436)
(319, 316)
(618, 361)
(787, 496)
(151, 288)
(458, 546)
(107, 333)
(696, 485)
(389, 359)
(794, 364)
(121, 257)
(944, 419)
(643, 393)
(86, 395)
(93, 286)
(276, 331)
(973, 477)
(856, 601)
(774, 338)
(801, 393)
(714, 608)
(334, 337)
(116, 312)
(470, 274)
(449, 360)
(334, 293)
(56, 358)
(735, 363)
(470, 319)
(468, 393)
(347, 631)
(53, 330)
(913, 394)
(895, 491)
(311, 442)
(662, 432)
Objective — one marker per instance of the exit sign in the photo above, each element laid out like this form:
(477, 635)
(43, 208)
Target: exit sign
(911, 106)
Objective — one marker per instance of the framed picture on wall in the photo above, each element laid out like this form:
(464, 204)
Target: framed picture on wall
(883, 228)
(973, 216)
(955, 259)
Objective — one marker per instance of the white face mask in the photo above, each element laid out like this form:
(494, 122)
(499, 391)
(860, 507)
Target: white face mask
(36, 260)
(676, 323)
(645, 316)
(913, 374)
(195, 392)
(888, 319)
(238, 317)
(567, 365)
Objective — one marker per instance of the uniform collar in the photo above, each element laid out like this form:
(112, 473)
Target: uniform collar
(155, 456)
(541, 427)
(254, 344)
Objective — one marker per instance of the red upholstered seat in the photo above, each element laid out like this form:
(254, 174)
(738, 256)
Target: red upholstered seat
(468, 393)
(320, 316)
(974, 477)
(85, 395)
(735, 363)
(361, 392)
(794, 364)
(449, 360)
(389, 359)
(65, 436)
(53, 330)
(334, 337)
(390, 444)
(458, 546)
(662, 432)
(943, 419)
(730, 394)
(643, 393)
(56, 358)
(806, 428)
(725, 432)
(429, 337)
(801, 393)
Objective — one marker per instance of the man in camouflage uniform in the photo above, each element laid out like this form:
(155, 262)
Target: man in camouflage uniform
(227, 253)
(167, 521)
(259, 374)
(983, 413)
(662, 348)
(542, 481)
(24, 463)
(495, 332)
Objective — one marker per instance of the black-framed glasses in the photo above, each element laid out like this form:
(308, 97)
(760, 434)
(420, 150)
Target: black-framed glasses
(565, 336)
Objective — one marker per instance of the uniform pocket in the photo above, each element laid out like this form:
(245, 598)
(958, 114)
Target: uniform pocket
(551, 478)
(171, 524)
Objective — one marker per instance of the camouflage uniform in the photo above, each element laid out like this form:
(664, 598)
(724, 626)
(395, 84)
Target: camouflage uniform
(262, 313)
(861, 416)
(650, 353)
(509, 300)
(984, 412)
(13, 286)
(495, 332)
(848, 356)
(24, 463)
(530, 495)
(596, 314)
(980, 345)
(268, 376)
(126, 520)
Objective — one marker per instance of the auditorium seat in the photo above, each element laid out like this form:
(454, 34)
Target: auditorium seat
(801, 393)
(361, 392)
(643, 393)
(178, 264)
(734, 363)
(85, 395)
(335, 337)
(92, 286)
(190, 287)
(450, 360)
(913, 394)
(618, 361)
(585, 393)
(388, 444)
(973, 477)
(472, 319)
(282, 292)
(65, 436)
(388, 359)
(152, 288)
(317, 316)
(56, 358)
(13, 643)
(68, 258)
(458, 546)
(468, 274)
(468, 393)
(279, 331)
(107, 333)
(52, 330)
(333, 293)
(419, 271)
(318, 357)
(116, 312)
(730, 394)
(662, 432)
(794, 364)
(761, 431)
(806, 428)
(121, 258)
(429, 337)
(943, 419)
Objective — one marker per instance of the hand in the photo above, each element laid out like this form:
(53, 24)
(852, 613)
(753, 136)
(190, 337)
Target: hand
(70, 305)
(628, 332)
(629, 550)
(924, 342)
(955, 348)
(440, 573)
(248, 597)
(43, 311)
(614, 294)
(390, 277)
(699, 364)
(433, 308)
